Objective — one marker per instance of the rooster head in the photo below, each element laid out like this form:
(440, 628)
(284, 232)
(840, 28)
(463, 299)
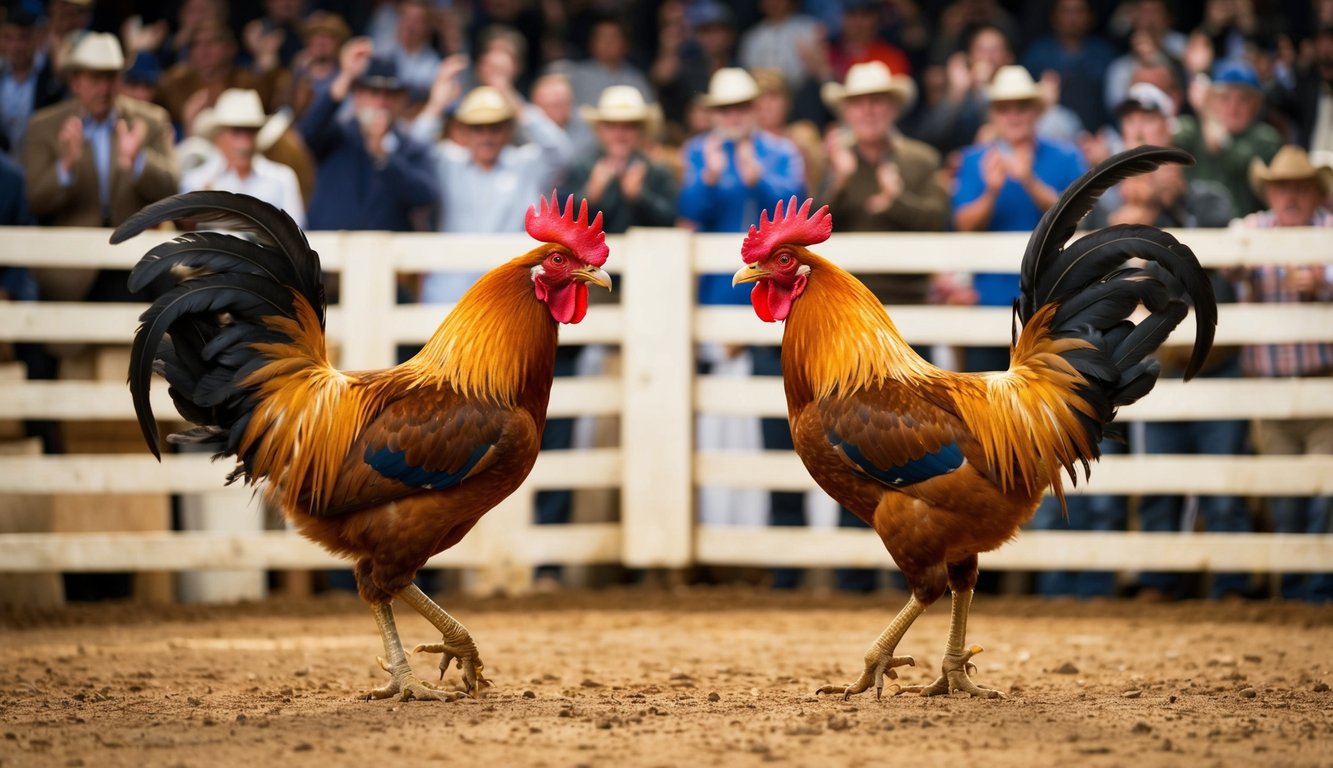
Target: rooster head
(573, 256)
(775, 256)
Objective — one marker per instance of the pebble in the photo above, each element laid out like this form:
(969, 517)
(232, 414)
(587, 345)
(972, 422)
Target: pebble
(838, 723)
(1132, 694)
(304, 746)
(1141, 727)
(714, 696)
(1248, 693)
(1066, 668)
(1320, 687)
(529, 695)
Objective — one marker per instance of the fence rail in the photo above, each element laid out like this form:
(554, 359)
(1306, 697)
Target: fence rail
(657, 395)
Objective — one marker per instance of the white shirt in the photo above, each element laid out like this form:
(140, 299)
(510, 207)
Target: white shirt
(271, 182)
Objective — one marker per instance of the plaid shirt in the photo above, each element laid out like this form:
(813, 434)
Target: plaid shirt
(1268, 285)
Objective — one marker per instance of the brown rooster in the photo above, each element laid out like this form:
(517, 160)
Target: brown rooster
(385, 467)
(947, 465)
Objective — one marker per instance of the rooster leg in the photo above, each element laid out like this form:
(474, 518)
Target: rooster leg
(404, 684)
(957, 659)
(456, 644)
(880, 660)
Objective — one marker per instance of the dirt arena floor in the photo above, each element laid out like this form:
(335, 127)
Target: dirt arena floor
(650, 678)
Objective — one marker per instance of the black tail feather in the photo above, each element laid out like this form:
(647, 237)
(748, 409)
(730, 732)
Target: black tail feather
(217, 292)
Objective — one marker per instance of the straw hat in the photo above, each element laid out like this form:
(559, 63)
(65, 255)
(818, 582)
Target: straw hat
(95, 52)
(867, 78)
(1289, 164)
(730, 85)
(620, 104)
(484, 105)
(1013, 83)
(236, 108)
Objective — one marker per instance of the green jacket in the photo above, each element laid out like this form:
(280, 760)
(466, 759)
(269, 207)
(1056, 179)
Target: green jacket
(1230, 166)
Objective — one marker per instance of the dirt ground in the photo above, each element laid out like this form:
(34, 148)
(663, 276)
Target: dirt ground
(653, 678)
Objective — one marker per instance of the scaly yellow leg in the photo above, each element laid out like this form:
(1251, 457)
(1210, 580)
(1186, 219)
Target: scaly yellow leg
(880, 660)
(456, 642)
(403, 683)
(956, 662)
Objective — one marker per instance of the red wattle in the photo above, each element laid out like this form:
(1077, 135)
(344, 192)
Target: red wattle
(759, 300)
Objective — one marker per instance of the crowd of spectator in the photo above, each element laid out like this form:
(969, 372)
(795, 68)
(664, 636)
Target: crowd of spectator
(970, 115)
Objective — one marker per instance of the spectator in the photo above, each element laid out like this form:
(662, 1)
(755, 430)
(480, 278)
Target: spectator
(880, 181)
(688, 54)
(66, 20)
(1227, 134)
(1159, 198)
(1151, 41)
(1078, 56)
(860, 41)
(621, 181)
(487, 184)
(953, 121)
(731, 173)
(417, 60)
(773, 113)
(316, 65)
(606, 65)
(209, 69)
(94, 160)
(1295, 191)
(1006, 184)
(794, 43)
(372, 174)
(25, 86)
(238, 165)
(276, 33)
(1312, 99)
(139, 81)
(553, 95)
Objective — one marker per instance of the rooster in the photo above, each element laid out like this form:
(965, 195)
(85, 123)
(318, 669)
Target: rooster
(385, 467)
(946, 465)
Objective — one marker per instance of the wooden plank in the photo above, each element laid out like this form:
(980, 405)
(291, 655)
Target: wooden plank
(367, 289)
(899, 252)
(585, 544)
(1171, 399)
(657, 426)
(1031, 551)
(989, 326)
(591, 468)
(1129, 475)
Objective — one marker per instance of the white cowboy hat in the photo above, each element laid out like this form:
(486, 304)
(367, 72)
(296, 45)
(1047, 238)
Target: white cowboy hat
(1013, 83)
(95, 52)
(730, 85)
(620, 104)
(867, 78)
(1291, 163)
(484, 105)
(235, 108)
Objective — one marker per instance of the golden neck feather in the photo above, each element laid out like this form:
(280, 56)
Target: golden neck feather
(839, 338)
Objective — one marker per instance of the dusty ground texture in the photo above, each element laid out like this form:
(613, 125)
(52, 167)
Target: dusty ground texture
(705, 677)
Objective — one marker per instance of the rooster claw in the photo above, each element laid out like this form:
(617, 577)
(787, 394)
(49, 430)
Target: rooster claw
(957, 670)
(878, 667)
(468, 662)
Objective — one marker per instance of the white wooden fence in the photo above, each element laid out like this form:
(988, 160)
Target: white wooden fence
(657, 395)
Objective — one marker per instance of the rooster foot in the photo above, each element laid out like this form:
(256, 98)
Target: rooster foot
(956, 668)
(469, 662)
(408, 687)
(878, 666)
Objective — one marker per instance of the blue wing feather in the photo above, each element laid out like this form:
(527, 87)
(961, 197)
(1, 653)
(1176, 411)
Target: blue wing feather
(393, 464)
(946, 459)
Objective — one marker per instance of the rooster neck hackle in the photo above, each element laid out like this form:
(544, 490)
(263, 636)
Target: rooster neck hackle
(839, 338)
(497, 338)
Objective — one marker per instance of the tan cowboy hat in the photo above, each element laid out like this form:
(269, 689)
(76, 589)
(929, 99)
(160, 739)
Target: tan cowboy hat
(1013, 83)
(235, 108)
(484, 105)
(620, 104)
(95, 52)
(1289, 164)
(730, 85)
(867, 78)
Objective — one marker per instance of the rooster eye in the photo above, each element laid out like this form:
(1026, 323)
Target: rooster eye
(784, 259)
(557, 259)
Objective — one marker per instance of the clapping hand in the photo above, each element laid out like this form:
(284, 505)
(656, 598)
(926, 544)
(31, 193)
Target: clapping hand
(129, 141)
(70, 139)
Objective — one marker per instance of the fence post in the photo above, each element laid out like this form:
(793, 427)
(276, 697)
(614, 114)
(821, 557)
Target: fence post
(657, 434)
(366, 298)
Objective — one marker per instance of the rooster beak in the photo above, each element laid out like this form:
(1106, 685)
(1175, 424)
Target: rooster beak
(750, 273)
(594, 275)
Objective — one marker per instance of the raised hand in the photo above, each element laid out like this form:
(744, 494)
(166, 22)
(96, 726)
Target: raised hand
(747, 163)
(353, 60)
(631, 181)
(129, 141)
(715, 159)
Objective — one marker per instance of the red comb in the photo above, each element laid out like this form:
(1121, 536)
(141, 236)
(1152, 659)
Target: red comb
(798, 227)
(586, 241)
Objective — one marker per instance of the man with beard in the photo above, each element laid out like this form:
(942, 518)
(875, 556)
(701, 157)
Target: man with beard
(372, 175)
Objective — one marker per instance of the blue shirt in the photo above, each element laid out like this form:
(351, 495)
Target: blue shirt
(1082, 74)
(16, 101)
(1055, 163)
(730, 206)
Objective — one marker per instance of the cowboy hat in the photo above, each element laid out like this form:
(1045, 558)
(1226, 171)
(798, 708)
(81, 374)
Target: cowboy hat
(730, 85)
(95, 52)
(236, 108)
(620, 104)
(484, 105)
(1013, 83)
(867, 78)
(1291, 163)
